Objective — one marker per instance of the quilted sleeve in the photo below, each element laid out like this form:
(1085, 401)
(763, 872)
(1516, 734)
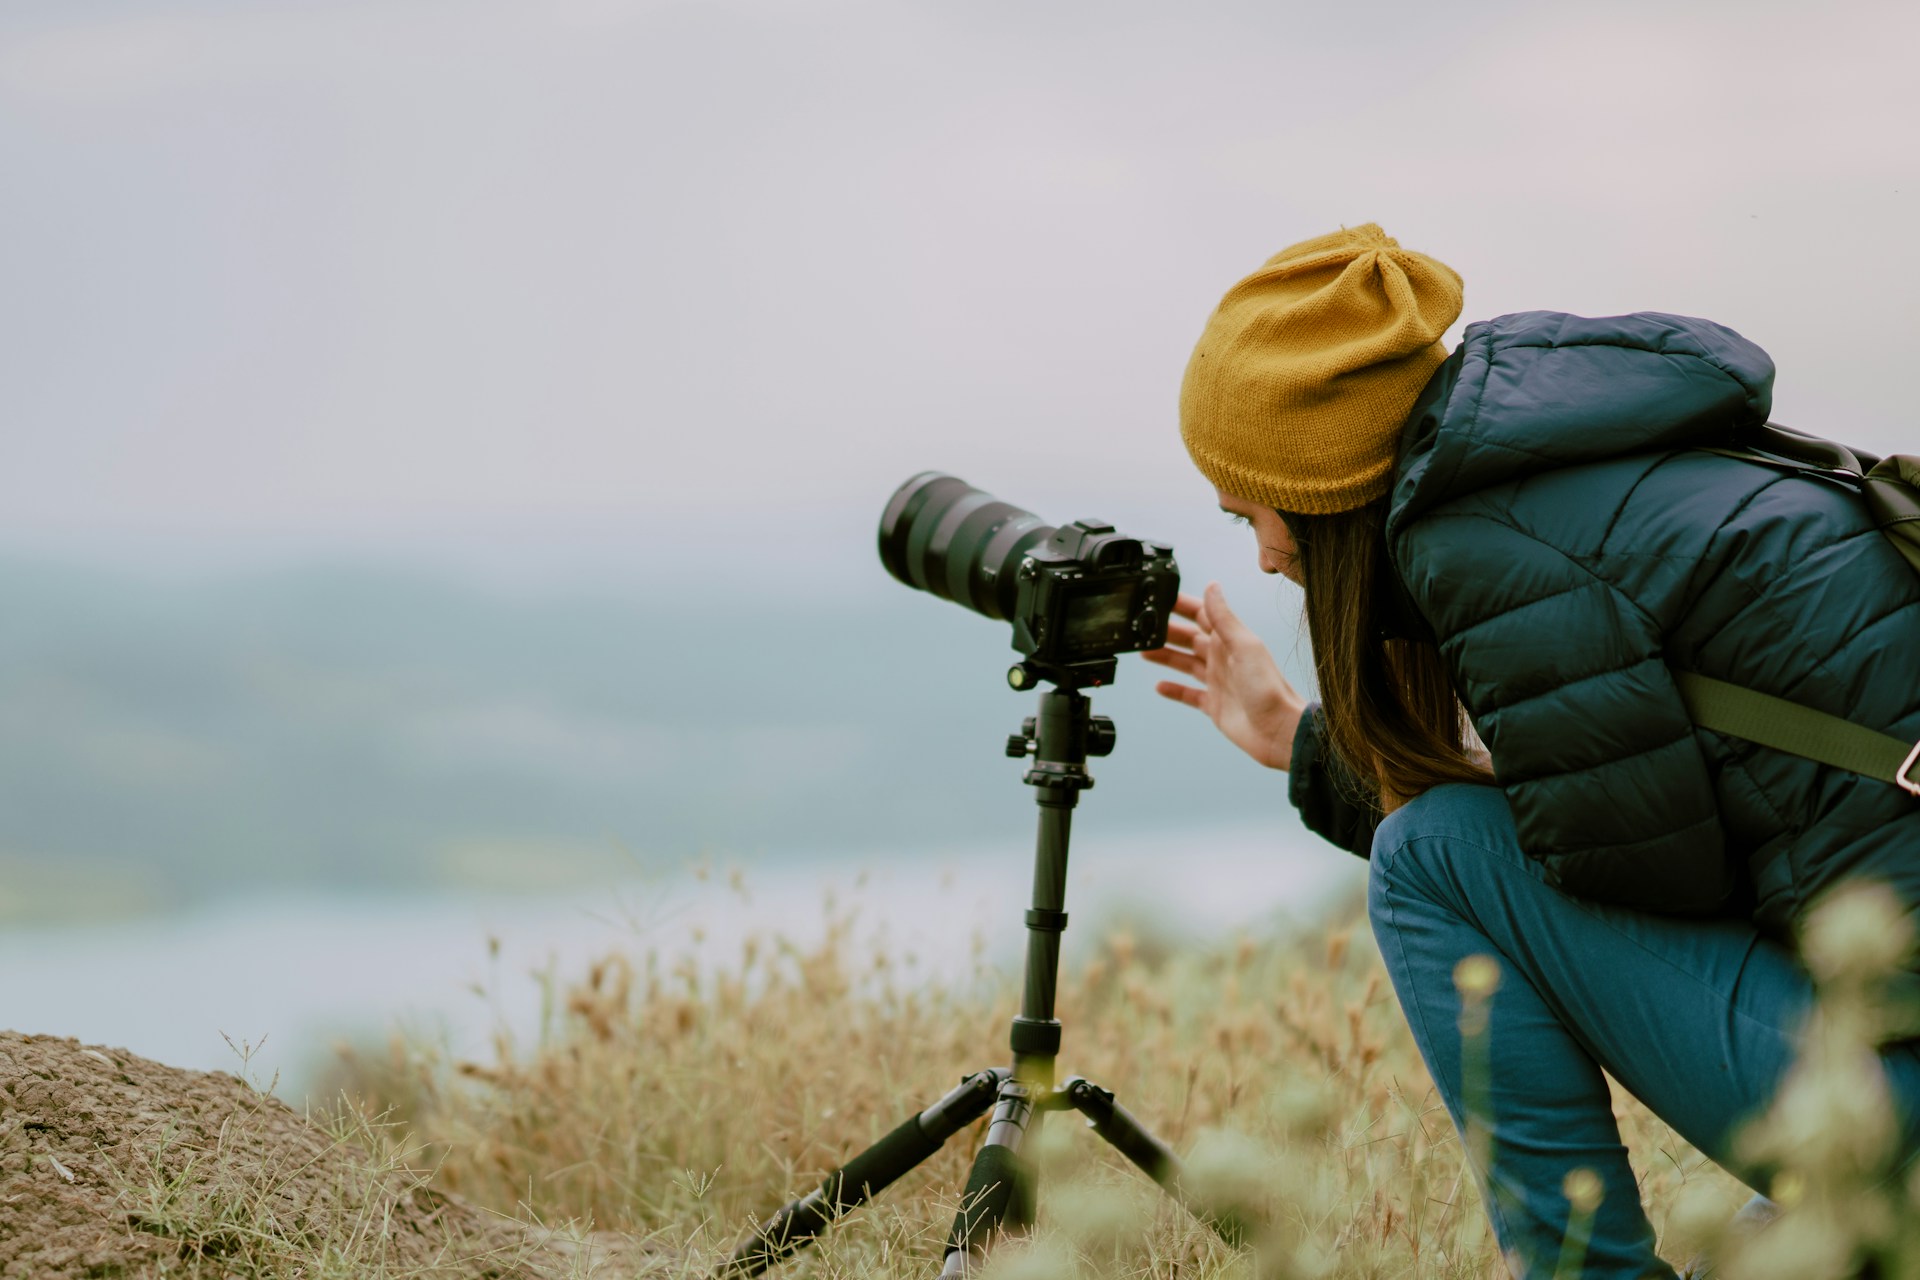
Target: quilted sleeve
(1330, 802)
(1566, 682)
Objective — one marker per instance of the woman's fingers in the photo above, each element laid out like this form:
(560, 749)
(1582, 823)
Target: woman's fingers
(1178, 692)
(1239, 687)
(1186, 663)
(1185, 635)
(1219, 614)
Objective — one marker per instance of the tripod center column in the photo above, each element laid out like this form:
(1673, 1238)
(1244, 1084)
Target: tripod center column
(1062, 732)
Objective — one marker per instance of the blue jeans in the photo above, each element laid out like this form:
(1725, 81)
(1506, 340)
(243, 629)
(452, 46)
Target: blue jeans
(1696, 1018)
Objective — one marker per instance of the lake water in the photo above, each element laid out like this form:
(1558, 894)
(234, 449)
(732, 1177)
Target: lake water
(298, 972)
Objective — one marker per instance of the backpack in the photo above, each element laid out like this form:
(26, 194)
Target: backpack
(1891, 489)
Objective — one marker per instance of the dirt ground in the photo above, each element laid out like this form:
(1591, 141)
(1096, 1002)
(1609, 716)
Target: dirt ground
(114, 1166)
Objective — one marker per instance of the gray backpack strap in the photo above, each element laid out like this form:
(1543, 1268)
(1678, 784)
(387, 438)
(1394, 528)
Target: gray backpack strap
(1787, 726)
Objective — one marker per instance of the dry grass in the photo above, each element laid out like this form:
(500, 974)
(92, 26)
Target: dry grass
(681, 1104)
(339, 1212)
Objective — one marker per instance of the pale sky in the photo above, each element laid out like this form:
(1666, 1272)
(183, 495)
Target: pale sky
(484, 273)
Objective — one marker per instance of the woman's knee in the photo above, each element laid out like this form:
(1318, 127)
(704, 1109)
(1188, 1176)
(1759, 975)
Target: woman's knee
(1455, 809)
(1423, 848)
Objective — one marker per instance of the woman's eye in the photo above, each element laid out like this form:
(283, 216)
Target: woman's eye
(1240, 520)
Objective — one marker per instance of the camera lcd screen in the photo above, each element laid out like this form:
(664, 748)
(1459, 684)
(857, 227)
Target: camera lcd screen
(1099, 621)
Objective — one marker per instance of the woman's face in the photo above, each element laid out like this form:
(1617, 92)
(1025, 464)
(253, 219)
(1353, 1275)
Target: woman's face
(1277, 554)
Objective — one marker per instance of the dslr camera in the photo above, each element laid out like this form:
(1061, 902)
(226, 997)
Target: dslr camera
(1077, 595)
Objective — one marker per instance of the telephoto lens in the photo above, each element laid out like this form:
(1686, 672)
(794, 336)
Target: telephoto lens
(942, 535)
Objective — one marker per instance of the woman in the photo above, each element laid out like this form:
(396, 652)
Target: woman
(1522, 540)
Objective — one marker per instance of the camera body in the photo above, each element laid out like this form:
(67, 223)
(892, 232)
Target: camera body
(1077, 595)
(1088, 593)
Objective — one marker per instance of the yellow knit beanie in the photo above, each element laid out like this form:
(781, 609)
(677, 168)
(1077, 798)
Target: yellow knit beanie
(1296, 392)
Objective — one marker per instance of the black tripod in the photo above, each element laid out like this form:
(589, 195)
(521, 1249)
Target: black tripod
(1000, 1191)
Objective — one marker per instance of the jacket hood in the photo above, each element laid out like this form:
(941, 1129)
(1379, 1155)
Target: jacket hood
(1539, 390)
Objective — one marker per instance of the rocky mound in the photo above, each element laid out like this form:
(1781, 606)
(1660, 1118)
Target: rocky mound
(114, 1166)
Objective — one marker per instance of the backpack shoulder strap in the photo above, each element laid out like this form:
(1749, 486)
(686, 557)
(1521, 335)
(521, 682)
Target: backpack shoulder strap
(1776, 446)
(1787, 726)
(1811, 450)
(1891, 487)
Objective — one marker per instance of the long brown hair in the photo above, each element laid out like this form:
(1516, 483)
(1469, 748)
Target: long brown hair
(1391, 714)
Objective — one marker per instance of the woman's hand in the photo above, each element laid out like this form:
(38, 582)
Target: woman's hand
(1241, 689)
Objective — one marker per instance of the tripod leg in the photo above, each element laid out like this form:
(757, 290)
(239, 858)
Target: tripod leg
(1000, 1190)
(1117, 1126)
(862, 1177)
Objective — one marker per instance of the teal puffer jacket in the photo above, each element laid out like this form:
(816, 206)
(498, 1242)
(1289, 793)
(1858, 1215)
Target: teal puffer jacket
(1563, 537)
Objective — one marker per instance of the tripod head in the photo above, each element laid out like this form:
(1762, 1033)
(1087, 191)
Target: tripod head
(1063, 763)
(1022, 676)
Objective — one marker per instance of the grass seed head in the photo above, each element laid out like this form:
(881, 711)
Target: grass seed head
(1857, 935)
(1099, 1217)
(1231, 1172)
(1303, 1109)
(1583, 1190)
(1039, 1258)
(1697, 1219)
(1477, 977)
(1797, 1247)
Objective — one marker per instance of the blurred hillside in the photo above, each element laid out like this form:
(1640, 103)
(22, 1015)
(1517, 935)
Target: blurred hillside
(171, 740)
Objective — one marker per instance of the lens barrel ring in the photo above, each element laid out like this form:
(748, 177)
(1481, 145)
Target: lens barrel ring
(951, 540)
